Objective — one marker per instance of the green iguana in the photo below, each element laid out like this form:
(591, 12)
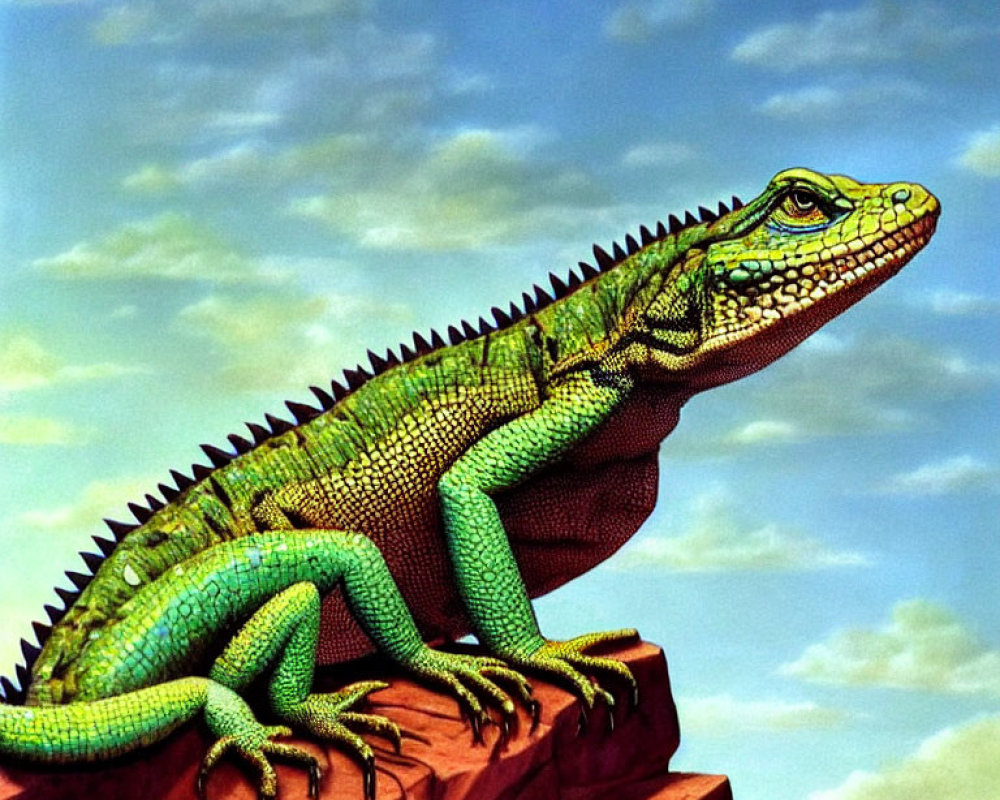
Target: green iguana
(434, 497)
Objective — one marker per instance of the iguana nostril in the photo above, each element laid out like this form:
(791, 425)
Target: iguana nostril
(901, 195)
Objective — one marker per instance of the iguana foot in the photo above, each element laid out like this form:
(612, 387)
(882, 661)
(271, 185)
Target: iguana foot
(567, 663)
(231, 720)
(254, 745)
(328, 716)
(470, 678)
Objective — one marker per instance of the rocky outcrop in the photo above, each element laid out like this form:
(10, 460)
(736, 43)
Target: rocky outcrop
(438, 760)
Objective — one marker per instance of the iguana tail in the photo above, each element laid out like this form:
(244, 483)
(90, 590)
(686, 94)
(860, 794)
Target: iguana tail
(113, 726)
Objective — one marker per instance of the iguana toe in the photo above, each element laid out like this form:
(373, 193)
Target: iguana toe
(254, 747)
(568, 664)
(471, 680)
(327, 716)
(375, 724)
(296, 755)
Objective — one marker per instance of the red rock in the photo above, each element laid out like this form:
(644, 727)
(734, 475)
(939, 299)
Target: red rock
(631, 763)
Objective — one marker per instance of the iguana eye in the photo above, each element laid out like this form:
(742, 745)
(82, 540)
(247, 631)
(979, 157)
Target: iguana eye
(800, 207)
(803, 201)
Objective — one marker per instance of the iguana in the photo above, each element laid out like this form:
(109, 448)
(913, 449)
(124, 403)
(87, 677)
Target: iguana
(436, 496)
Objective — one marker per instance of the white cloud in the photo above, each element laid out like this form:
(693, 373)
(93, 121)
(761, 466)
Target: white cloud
(724, 715)
(168, 247)
(127, 311)
(639, 20)
(236, 160)
(24, 429)
(409, 188)
(238, 323)
(765, 431)
(340, 159)
(242, 162)
(835, 386)
(392, 186)
(959, 304)
(228, 11)
(151, 179)
(128, 23)
(867, 383)
(874, 31)
(254, 335)
(142, 22)
(476, 187)
(809, 101)
(251, 327)
(38, 2)
(823, 102)
(959, 474)
(659, 154)
(923, 647)
(716, 541)
(958, 763)
(382, 80)
(243, 121)
(96, 501)
(25, 364)
(982, 154)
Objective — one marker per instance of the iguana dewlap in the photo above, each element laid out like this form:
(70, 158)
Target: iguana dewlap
(435, 497)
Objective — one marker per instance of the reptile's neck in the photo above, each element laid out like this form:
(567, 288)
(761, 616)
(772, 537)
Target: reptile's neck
(588, 328)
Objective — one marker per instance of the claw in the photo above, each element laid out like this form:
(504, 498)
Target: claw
(507, 725)
(369, 778)
(501, 743)
(505, 728)
(568, 664)
(314, 776)
(477, 728)
(582, 722)
(535, 709)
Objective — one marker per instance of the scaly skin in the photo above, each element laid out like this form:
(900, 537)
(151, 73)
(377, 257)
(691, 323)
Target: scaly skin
(419, 503)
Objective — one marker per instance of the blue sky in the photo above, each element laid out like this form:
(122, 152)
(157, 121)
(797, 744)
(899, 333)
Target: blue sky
(205, 207)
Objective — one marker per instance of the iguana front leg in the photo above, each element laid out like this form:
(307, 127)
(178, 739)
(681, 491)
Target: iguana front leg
(381, 610)
(486, 571)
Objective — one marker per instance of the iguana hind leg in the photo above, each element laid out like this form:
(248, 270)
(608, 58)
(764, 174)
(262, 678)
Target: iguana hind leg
(281, 637)
(324, 559)
(378, 605)
(272, 580)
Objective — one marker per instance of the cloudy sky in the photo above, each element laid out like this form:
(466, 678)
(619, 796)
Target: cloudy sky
(205, 207)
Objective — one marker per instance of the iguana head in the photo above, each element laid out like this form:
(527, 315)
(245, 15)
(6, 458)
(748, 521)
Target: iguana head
(757, 281)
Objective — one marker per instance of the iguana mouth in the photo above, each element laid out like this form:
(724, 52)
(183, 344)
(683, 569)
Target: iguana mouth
(772, 294)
